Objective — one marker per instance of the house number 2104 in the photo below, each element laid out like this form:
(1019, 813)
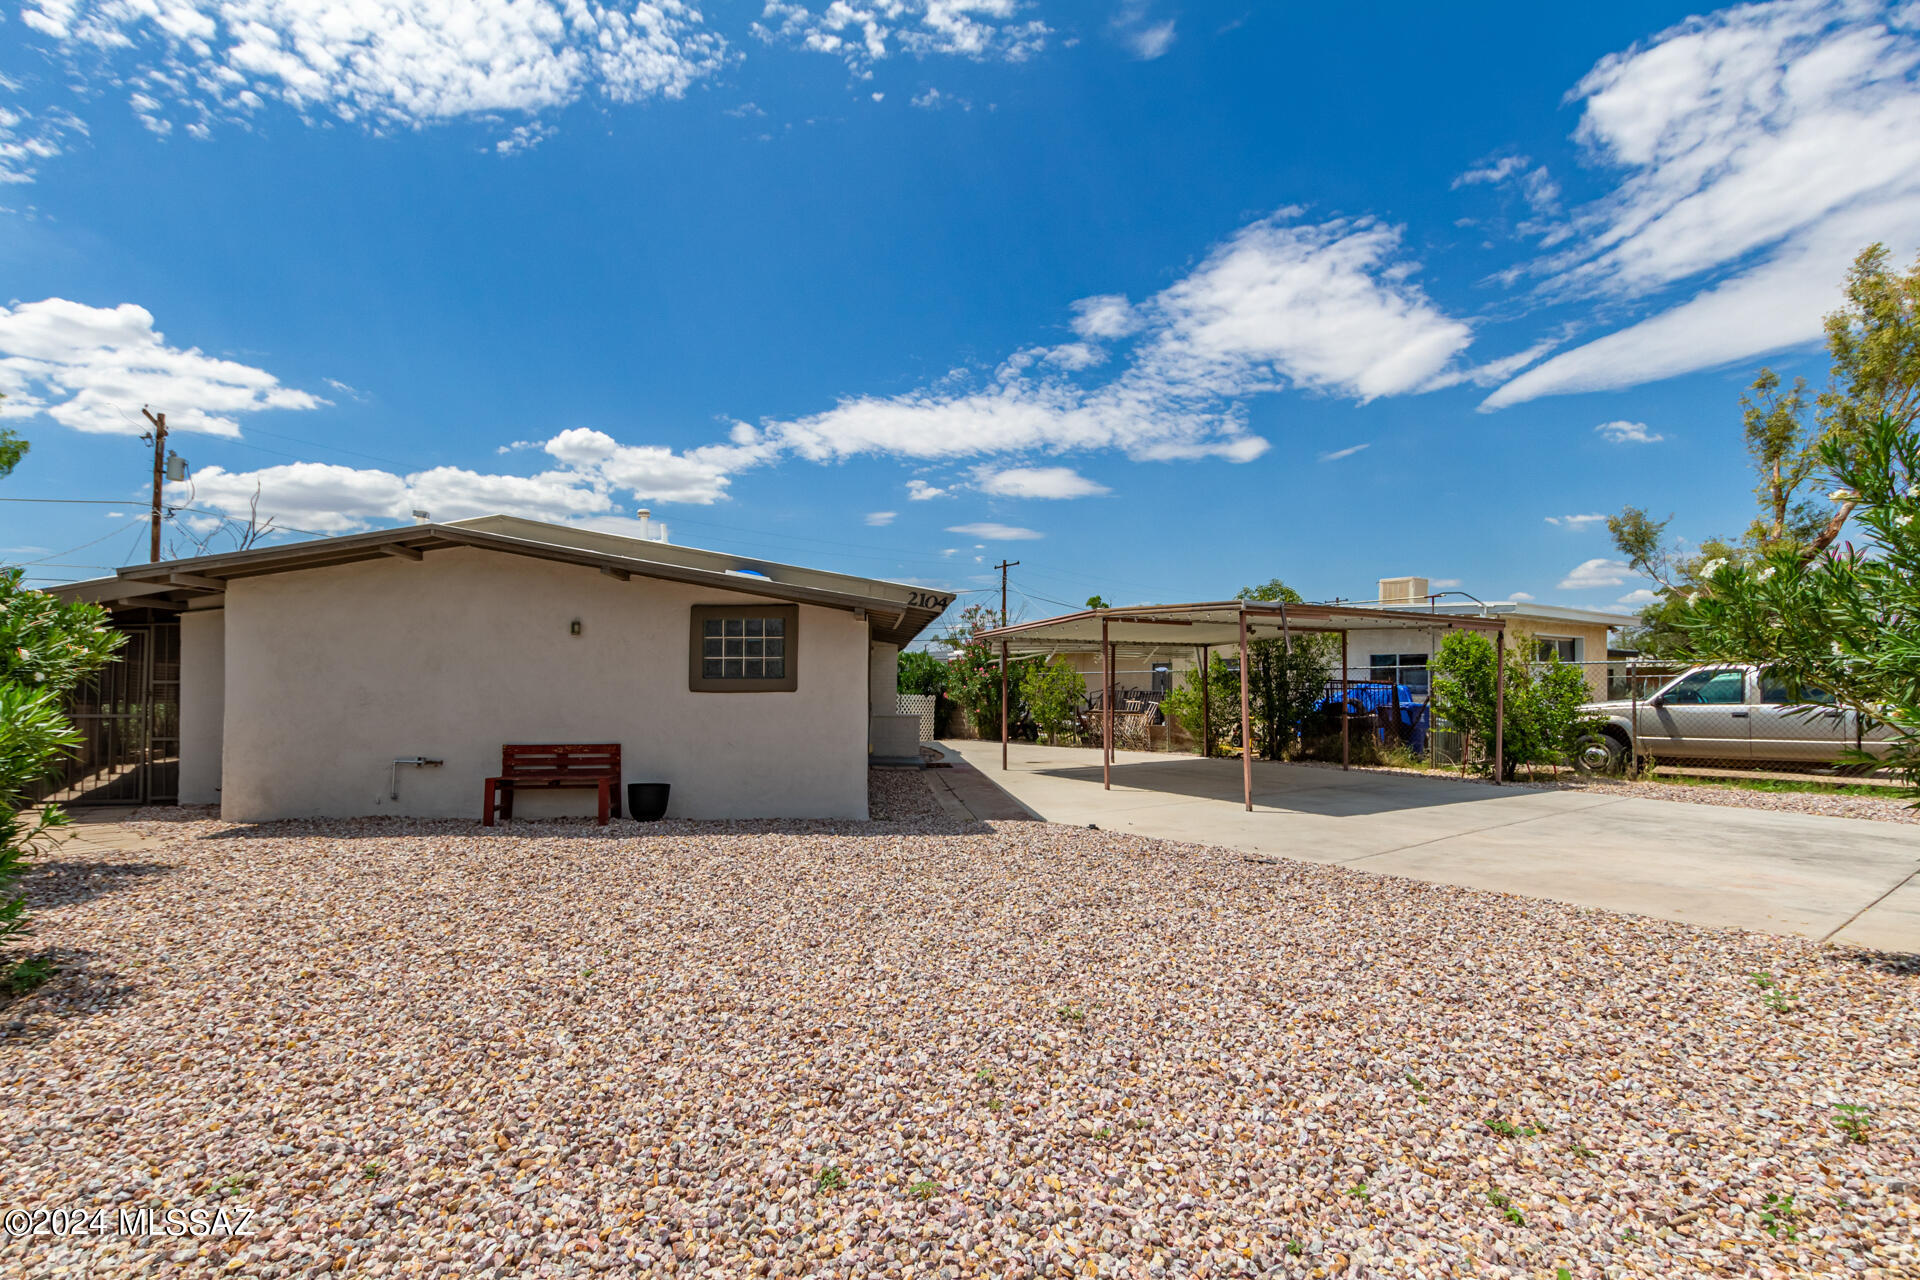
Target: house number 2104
(927, 600)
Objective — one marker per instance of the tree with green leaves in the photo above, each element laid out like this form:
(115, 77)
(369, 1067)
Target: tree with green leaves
(1053, 693)
(1543, 722)
(1873, 345)
(1783, 453)
(973, 676)
(1847, 621)
(13, 447)
(1286, 678)
(47, 646)
(1286, 682)
(921, 672)
(1098, 602)
(1182, 705)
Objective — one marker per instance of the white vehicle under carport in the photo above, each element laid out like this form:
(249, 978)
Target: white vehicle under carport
(1734, 714)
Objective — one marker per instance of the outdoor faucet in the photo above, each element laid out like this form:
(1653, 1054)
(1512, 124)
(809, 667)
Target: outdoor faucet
(393, 773)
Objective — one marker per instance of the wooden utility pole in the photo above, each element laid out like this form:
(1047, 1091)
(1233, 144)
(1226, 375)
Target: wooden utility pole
(1003, 566)
(159, 421)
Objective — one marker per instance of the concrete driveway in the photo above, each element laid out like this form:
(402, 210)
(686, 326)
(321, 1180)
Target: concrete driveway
(1846, 879)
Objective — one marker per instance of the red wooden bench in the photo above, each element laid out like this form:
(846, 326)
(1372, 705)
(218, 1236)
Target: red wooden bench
(547, 767)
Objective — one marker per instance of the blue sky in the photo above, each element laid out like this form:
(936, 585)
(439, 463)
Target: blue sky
(1156, 299)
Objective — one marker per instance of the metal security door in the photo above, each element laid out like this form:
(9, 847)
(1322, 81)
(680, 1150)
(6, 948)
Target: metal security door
(128, 718)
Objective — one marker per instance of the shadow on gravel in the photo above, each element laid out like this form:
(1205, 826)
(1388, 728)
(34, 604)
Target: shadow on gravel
(1901, 964)
(575, 829)
(77, 989)
(61, 882)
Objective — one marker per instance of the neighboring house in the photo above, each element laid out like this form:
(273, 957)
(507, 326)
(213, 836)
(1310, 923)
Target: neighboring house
(1546, 631)
(1402, 657)
(309, 673)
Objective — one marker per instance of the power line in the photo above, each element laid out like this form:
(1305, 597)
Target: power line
(196, 511)
(111, 533)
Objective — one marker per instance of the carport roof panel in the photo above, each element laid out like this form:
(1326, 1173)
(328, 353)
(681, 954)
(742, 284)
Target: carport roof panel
(1217, 623)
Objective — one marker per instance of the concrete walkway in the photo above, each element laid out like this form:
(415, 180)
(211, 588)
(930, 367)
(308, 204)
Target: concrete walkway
(1846, 879)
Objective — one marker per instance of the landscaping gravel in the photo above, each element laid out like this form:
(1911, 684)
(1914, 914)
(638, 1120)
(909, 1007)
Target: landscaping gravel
(918, 1048)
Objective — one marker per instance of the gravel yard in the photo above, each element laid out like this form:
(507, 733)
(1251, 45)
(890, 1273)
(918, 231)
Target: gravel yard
(913, 1047)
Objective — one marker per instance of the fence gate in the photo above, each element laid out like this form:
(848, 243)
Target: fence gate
(128, 715)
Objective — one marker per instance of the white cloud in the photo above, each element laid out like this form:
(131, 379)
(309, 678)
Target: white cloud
(1108, 315)
(1624, 432)
(1576, 522)
(404, 62)
(1326, 308)
(996, 532)
(92, 368)
(881, 518)
(646, 471)
(1533, 181)
(864, 32)
(933, 100)
(27, 139)
(1490, 372)
(1337, 454)
(1761, 148)
(1642, 596)
(1596, 573)
(334, 499)
(1135, 27)
(1074, 355)
(1492, 172)
(1443, 584)
(1329, 307)
(1519, 597)
(1037, 482)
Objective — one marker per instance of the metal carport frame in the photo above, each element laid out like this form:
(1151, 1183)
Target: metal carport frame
(1236, 622)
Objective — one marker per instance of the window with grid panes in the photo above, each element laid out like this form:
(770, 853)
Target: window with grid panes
(744, 648)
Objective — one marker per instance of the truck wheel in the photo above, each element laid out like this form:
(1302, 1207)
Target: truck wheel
(1600, 753)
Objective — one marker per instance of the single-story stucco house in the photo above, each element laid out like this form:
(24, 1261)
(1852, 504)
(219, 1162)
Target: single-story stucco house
(1402, 656)
(310, 674)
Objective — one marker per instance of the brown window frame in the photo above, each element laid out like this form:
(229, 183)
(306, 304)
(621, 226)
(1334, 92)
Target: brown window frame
(702, 613)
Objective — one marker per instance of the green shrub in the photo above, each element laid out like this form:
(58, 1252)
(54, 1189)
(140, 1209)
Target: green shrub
(1544, 723)
(921, 672)
(1053, 691)
(46, 648)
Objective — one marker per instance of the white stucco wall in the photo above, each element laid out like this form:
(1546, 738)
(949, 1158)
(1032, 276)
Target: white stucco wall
(332, 673)
(203, 639)
(1592, 647)
(883, 678)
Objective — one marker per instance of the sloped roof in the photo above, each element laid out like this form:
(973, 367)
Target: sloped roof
(899, 611)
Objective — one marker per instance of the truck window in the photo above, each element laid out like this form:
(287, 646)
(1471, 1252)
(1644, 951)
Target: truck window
(1708, 688)
(1775, 691)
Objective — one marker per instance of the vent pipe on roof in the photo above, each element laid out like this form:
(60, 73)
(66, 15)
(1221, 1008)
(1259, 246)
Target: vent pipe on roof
(649, 530)
(422, 517)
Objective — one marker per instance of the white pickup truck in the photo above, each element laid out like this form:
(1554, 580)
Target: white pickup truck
(1731, 712)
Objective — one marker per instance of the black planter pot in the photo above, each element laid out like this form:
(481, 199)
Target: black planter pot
(647, 801)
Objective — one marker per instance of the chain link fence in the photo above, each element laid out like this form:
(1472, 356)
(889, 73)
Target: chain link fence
(1659, 719)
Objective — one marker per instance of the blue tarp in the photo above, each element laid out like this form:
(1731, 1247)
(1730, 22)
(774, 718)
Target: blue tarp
(1371, 696)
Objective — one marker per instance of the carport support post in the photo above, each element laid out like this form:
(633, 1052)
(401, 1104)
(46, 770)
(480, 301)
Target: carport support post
(1346, 734)
(1106, 709)
(1499, 705)
(1246, 726)
(1206, 711)
(1003, 706)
